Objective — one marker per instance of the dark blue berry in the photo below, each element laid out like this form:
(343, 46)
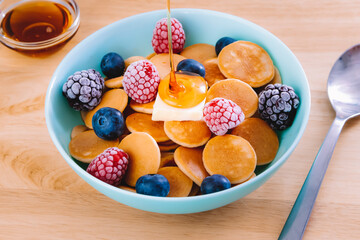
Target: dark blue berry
(191, 65)
(112, 65)
(222, 42)
(153, 185)
(214, 183)
(108, 123)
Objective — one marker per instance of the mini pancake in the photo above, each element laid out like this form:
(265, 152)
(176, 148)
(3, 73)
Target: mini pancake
(167, 159)
(141, 122)
(212, 71)
(180, 184)
(114, 98)
(78, 129)
(276, 79)
(150, 55)
(246, 61)
(144, 156)
(199, 52)
(86, 146)
(165, 146)
(194, 190)
(132, 59)
(237, 91)
(127, 188)
(189, 160)
(162, 63)
(231, 156)
(261, 137)
(187, 133)
(142, 107)
(114, 82)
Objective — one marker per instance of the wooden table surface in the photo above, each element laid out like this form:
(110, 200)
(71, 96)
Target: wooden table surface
(41, 197)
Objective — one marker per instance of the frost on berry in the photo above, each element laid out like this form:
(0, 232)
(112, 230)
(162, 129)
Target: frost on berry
(221, 114)
(160, 36)
(141, 81)
(109, 166)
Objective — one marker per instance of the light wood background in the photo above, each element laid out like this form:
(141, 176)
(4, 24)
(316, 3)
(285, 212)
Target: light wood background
(42, 198)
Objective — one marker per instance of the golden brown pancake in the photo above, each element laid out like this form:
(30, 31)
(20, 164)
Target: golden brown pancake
(141, 122)
(132, 59)
(261, 137)
(167, 159)
(246, 61)
(114, 98)
(189, 160)
(180, 184)
(86, 146)
(162, 63)
(212, 71)
(199, 52)
(114, 82)
(187, 133)
(142, 107)
(167, 146)
(144, 156)
(237, 91)
(150, 55)
(231, 156)
(78, 129)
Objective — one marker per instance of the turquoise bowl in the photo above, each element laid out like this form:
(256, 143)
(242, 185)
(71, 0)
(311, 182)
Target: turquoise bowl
(132, 36)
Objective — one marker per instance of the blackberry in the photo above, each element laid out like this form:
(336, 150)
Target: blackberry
(278, 104)
(84, 89)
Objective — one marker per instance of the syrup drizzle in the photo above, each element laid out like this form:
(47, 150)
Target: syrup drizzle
(174, 86)
(180, 89)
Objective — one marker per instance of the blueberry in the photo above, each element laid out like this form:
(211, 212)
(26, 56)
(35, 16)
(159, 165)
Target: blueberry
(153, 185)
(222, 42)
(214, 183)
(191, 65)
(112, 65)
(108, 123)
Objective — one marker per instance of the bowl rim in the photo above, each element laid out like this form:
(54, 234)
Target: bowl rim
(306, 104)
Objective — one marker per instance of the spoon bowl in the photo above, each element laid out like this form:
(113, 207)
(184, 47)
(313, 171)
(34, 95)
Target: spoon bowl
(344, 84)
(343, 91)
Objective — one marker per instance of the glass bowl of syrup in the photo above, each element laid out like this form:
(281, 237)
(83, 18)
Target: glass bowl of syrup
(32, 25)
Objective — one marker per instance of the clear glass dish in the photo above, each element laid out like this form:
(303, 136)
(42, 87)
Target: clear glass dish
(71, 5)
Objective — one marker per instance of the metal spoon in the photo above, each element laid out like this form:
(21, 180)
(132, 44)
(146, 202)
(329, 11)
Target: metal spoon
(343, 90)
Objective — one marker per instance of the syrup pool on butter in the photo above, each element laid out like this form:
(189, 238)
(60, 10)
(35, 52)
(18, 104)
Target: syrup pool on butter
(165, 112)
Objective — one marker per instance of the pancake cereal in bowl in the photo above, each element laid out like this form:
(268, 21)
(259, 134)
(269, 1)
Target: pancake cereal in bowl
(212, 124)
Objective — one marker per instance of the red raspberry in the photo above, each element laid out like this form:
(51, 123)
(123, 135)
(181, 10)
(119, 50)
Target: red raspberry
(141, 81)
(221, 114)
(160, 36)
(109, 166)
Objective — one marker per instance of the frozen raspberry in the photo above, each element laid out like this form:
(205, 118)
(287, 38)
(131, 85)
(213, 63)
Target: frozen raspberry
(160, 36)
(221, 114)
(109, 166)
(141, 81)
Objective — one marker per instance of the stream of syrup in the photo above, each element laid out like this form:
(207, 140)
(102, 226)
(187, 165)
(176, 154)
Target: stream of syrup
(181, 89)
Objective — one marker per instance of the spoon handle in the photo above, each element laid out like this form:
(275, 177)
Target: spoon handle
(295, 224)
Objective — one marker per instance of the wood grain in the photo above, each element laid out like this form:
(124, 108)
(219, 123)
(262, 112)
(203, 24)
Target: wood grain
(42, 198)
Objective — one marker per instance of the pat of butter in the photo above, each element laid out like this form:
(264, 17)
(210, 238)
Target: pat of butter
(164, 112)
